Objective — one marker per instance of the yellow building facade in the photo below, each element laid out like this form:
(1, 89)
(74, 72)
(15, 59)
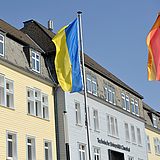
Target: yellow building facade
(152, 129)
(20, 123)
(153, 140)
(27, 120)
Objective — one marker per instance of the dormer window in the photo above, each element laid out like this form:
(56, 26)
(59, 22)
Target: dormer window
(154, 119)
(1, 45)
(35, 61)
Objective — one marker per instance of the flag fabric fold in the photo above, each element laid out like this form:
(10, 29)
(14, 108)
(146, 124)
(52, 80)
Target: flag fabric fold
(67, 63)
(153, 43)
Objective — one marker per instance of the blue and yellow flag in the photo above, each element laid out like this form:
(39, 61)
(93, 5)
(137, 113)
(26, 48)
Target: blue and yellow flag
(67, 61)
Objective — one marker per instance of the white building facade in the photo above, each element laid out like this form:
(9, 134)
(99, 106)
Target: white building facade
(116, 126)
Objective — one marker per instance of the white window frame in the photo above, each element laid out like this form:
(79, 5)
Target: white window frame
(148, 144)
(127, 103)
(2, 41)
(127, 134)
(36, 60)
(136, 107)
(14, 145)
(82, 151)
(6, 92)
(139, 137)
(96, 153)
(94, 86)
(78, 113)
(91, 84)
(155, 123)
(49, 148)
(37, 104)
(106, 92)
(96, 120)
(112, 126)
(133, 106)
(123, 101)
(33, 147)
(133, 134)
(45, 106)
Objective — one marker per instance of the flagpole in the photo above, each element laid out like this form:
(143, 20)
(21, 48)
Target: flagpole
(79, 13)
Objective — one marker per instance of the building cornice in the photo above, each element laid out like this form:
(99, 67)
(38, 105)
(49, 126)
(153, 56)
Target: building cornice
(115, 107)
(27, 72)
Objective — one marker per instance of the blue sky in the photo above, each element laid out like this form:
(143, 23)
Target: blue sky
(114, 33)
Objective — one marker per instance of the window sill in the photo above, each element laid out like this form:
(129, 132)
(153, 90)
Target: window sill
(134, 143)
(79, 125)
(116, 137)
(140, 145)
(128, 141)
(38, 117)
(13, 109)
(98, 131)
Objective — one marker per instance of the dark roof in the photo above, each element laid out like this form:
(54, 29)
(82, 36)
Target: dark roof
(18, 35)
(108, 75)
(92, 64)
(47, 31)
(147, 107)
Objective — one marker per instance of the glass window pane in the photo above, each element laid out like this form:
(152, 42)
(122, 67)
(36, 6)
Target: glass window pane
(1, 49)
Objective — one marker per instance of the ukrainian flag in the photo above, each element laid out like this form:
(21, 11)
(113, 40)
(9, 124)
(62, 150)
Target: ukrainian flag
(67, 61)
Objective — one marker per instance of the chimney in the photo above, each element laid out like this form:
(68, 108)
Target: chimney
(50, 25)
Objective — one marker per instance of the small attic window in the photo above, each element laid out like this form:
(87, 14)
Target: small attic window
(1, 45)
(35, 61)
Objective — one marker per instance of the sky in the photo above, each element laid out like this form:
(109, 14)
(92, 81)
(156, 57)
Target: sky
(114, 33)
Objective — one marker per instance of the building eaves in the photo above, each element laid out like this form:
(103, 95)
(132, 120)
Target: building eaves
(18, 35)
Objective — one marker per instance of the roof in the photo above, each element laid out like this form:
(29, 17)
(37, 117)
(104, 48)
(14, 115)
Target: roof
(147, 107)
(92, 64)
(108, 75)
(46, 30)
(18, 35)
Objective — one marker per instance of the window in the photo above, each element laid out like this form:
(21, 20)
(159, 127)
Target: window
(132, 106)
(94, 86)
(11, 146)
(127, 132)
(109, 93)
(91, 84)
(96, 154)
(35, 61)
(112, 126)
(95, 120)
(78, 112)
(155, 123)
(31, 150)
(48, 150)
(148, 144)
(37, 103)
(1, 45)
(45, 106)
(123, 101)
(133, 134)
(127, 104)
(82, 153)
(139, 140)
(136, 108)
(6, 92)
(157, 146)
(130, 158)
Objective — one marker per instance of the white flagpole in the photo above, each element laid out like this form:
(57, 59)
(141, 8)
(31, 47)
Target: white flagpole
(84, 83)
